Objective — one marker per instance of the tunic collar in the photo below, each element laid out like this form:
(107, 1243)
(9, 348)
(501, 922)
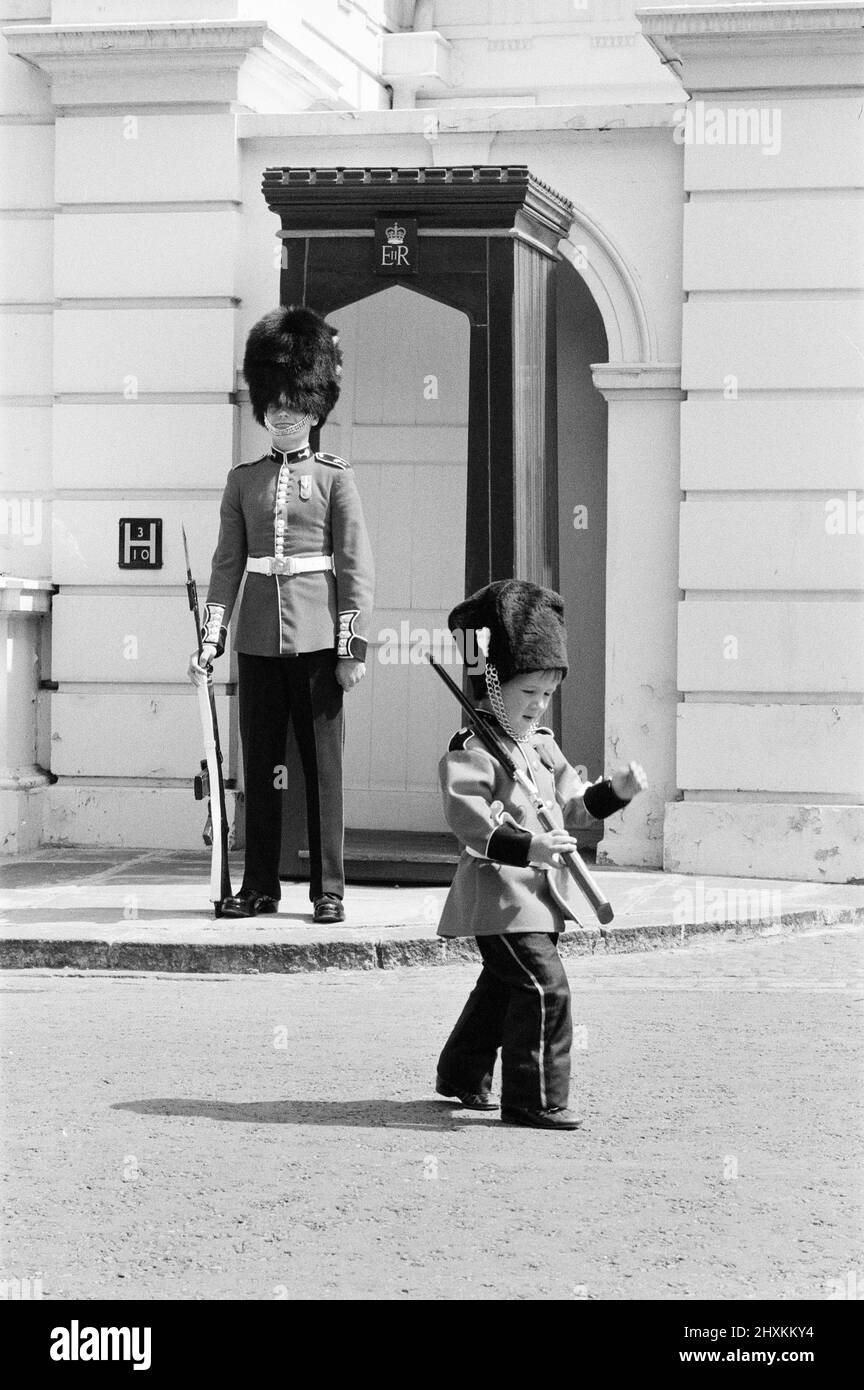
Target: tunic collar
(292, 455)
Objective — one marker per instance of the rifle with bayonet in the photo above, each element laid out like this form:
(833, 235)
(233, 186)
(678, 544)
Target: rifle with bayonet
(209, 783)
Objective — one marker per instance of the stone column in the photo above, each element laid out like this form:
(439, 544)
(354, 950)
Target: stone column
(26, 307)
(641, 596)
(771, 643)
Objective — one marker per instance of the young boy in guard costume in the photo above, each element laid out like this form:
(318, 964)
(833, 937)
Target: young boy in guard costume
(292, 523)
(510, 890)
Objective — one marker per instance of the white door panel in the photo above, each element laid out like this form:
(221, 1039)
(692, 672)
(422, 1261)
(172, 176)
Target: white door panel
(402, 422)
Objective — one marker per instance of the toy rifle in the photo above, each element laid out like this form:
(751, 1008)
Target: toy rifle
(482, 724)
(209, 783)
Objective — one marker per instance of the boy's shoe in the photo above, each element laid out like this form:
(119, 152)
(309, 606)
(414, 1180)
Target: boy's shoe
(472, 1100)
(556, 1117)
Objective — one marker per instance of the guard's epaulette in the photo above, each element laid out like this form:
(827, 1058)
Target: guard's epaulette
(247, 463)
(333, 460)
(458, 741)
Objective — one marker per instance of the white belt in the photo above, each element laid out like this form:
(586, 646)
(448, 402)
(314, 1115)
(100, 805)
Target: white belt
(289, 564)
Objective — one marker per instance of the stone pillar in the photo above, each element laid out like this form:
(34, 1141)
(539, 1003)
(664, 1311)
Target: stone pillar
(770, 652)
(26, 305)
(641, 597)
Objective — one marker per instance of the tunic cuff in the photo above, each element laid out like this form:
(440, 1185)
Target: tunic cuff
(349, 644)
(509, 845)
(601, 801)
(213, 627)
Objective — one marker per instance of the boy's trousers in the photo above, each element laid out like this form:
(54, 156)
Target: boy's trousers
(304, 689)
(521, 1003)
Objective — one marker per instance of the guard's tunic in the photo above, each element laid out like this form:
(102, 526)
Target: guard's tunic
(283, 505)
(291, 630)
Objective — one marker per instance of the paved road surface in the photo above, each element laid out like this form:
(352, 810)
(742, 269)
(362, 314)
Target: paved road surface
(271, 1137)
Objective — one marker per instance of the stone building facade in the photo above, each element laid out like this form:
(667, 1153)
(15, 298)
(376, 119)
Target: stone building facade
(710, 417)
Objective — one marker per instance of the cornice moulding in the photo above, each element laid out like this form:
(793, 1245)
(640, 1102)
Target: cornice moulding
(45, 40)
(711, 21)
(629, 380)
(227, 60)
(461, 196)
(751, 47)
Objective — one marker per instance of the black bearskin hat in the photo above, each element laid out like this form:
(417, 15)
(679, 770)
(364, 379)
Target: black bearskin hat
(517, 626)
(293, 352)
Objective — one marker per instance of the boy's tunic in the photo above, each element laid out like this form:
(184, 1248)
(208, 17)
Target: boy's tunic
(495, 890)
(289, 505)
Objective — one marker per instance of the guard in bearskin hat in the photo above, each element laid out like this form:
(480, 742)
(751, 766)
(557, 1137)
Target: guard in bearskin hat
(292, 523)
(509, 891)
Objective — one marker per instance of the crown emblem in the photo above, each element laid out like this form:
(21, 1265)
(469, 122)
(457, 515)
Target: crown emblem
(395, 234)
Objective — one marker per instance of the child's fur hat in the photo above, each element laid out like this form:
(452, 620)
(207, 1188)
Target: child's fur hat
(517, 626)
(292, 351)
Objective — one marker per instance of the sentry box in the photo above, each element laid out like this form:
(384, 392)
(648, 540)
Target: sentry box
(140, 543)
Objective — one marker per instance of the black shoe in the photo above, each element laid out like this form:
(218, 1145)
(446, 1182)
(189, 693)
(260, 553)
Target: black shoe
(328, 908)
(556, 1117)
(472, 1100)
(248, 903)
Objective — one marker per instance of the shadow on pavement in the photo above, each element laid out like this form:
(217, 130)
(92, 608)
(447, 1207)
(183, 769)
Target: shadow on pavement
(369, 1114)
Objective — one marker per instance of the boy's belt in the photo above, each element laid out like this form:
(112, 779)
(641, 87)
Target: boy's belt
(289, 564)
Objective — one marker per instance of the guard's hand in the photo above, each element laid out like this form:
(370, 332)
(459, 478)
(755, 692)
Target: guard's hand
(201, 671)
(349, 671)
(546, 848)
(629, 781)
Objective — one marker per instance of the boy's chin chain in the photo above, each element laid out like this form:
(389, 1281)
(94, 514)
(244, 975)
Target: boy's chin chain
(496, 700)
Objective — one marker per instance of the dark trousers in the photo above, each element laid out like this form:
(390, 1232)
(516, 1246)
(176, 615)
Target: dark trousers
(521, 1003)
(303, 690)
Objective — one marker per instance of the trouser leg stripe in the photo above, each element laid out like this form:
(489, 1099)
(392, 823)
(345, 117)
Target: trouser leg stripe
(537, 985)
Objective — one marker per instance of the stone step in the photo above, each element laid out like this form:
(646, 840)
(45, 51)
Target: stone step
(394, 856)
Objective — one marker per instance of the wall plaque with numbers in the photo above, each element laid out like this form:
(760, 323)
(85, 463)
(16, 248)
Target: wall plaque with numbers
(140, 543)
